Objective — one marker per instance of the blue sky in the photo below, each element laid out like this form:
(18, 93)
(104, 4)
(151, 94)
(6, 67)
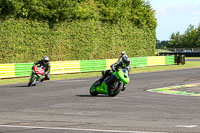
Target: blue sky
(175, 15)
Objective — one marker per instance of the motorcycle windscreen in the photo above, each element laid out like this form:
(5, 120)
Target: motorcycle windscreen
(122, 76)
(40, 71)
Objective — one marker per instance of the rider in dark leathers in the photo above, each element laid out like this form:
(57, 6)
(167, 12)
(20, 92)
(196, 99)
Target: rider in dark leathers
(122, 63)
(45, 63)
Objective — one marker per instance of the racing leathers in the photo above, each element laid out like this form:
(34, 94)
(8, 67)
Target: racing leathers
(122, 63)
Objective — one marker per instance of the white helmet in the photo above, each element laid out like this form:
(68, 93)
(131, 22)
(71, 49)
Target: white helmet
(45, 59)
(123, 53)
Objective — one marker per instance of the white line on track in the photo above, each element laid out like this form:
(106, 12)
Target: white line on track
(76, 129)
(187, 126)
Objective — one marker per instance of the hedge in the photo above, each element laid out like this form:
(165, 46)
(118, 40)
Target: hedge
(23, 41)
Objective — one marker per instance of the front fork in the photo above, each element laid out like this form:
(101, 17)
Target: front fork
(37, 78)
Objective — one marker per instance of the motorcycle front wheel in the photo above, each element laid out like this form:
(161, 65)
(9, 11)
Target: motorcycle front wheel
(31, 81)
(93, 91)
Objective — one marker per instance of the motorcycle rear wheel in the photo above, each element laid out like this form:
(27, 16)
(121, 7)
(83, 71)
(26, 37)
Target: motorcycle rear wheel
(116, 91)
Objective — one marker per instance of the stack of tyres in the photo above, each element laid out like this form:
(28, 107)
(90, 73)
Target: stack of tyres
(180, 59)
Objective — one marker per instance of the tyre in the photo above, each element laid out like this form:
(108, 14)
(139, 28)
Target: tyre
(31, 81)
(116, 91)
(93, 91)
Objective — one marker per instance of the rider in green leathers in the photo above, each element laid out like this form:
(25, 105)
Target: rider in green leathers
(122, 63)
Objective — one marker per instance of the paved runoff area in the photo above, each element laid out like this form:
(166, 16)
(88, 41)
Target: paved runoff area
(155, 102)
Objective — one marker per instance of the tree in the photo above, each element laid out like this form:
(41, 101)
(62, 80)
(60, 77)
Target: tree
(137, 11)
(161, 44)
(190, 39)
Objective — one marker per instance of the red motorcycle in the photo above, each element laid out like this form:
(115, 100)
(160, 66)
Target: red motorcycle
(36, 76)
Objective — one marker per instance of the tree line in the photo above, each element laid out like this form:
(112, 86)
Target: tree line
(189, 39)
(137, 11)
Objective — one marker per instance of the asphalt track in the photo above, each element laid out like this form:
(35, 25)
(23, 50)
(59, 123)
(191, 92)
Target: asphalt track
(65, 106)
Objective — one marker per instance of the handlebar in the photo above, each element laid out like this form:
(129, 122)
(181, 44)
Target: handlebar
(114, 69)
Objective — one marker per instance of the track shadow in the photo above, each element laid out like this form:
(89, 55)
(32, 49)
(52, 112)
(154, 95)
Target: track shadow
(21, 86)
(92, 96)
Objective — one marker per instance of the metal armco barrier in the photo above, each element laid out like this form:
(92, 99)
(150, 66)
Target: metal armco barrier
(61, 67)
(187, 54)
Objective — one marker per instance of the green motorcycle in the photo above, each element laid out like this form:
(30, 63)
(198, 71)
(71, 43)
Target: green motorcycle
(112, 84)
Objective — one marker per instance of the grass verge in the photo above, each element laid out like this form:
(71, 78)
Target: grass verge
(192, 58)
(189, 64)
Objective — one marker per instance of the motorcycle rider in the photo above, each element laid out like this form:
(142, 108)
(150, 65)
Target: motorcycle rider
(122, 63)
(45, 63)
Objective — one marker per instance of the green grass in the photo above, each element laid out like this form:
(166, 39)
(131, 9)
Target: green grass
(52, 77)
(189, 64)
(192, 57)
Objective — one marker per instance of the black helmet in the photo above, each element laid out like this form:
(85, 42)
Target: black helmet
(45, 59)
(125, 61)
